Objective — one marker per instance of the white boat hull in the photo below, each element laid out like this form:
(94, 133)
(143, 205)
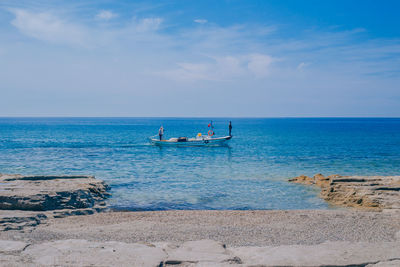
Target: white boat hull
(205, 141)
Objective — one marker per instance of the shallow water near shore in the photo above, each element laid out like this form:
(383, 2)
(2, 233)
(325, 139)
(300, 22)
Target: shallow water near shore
(249, 173)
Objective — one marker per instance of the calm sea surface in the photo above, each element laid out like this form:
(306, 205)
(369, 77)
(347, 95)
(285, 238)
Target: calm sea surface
(250, 173)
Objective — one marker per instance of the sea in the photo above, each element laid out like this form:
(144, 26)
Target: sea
(250, 172)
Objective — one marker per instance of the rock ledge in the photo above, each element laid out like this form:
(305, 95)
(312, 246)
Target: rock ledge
(41, 193)
(54, 195)
(363, 192)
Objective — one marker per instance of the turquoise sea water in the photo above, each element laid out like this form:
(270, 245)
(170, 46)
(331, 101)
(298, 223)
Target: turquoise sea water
(250, 173)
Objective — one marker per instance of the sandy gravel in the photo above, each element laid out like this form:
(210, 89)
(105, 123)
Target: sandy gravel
(234, 228)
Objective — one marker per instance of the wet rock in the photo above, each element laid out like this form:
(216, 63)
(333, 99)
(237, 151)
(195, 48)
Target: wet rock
(302, 179)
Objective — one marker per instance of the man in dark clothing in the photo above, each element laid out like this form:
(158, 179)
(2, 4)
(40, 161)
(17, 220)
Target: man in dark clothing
(161, 132)
(230, 128)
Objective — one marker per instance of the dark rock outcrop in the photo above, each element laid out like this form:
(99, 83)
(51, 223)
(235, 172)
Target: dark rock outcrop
(25, 201)
(41, 193)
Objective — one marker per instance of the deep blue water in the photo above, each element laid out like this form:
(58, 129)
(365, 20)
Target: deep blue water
(250, 173)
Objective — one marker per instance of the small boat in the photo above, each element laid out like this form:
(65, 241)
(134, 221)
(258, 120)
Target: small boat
(196, 141)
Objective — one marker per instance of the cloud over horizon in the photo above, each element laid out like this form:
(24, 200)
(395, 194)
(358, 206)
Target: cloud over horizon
(106, 15)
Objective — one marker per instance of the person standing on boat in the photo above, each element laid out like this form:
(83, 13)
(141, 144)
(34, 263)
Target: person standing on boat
(161, 132)
(230, 128)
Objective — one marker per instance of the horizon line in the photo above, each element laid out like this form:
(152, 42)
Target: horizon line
(215, 117)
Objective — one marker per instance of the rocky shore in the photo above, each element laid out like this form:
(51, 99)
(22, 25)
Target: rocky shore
(27, 200)
(38, 227)
(362, 192)
(41, 193)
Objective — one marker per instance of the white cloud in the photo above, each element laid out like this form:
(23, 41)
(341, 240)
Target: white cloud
(259, 64)
(227, 68)
(49, 27)
(45, 26)
(149, 24)
(302, 65)
(201, 21)
(106, 15)
(191, 72)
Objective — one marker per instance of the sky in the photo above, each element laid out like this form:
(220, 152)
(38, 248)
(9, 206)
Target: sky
(210, 58)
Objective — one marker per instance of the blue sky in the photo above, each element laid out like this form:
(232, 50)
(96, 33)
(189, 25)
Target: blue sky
(200, 58)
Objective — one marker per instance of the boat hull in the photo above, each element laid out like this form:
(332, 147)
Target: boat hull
(192, 142)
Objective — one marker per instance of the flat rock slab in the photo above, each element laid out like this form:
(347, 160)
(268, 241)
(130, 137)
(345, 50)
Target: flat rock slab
(41, 193)
(7, 246)
(392, 263)
(77, 252)
(199, 251)
(86, 253)
(325, 254)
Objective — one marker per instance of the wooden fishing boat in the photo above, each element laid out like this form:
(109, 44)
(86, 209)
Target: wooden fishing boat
(196, 141)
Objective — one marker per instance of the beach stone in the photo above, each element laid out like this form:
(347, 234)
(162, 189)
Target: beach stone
(41, 193)
(325, 254)
(7, 246)
(199, 251)
(75, 252)
(303, 179)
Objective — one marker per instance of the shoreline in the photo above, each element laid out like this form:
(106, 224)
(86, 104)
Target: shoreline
(71, 225)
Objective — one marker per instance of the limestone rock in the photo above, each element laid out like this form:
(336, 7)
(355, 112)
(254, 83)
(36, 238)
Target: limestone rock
(17, 220)
(199, 251)
(40, 193)
(302, 179)
(75, 252)
(325, 254)
(86, 253)
(321, 180)
(363, 192)
(391, 263)
(8, 246)
(397, 236)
